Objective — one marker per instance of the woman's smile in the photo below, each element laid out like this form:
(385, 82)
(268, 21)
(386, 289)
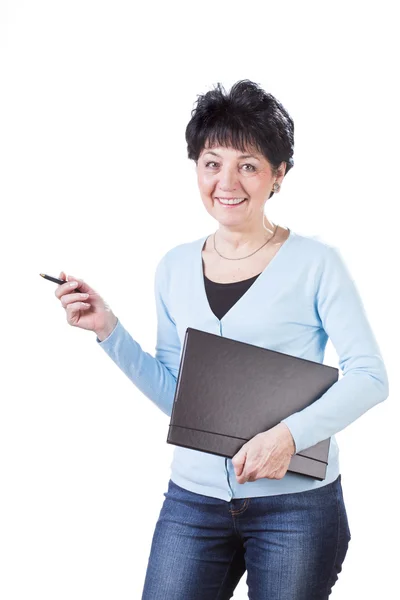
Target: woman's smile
(231, 203)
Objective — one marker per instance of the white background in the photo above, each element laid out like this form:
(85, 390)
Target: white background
(96, 182)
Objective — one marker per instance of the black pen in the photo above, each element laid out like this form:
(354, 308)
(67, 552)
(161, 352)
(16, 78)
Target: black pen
(55, 280)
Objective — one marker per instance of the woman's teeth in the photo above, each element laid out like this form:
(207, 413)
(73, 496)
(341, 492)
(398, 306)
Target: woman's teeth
(233, 201)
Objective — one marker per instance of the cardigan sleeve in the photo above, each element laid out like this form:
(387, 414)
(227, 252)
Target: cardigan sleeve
(155, 376)
(364, 383)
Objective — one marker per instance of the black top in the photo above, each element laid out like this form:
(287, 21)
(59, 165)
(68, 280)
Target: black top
(222, 296)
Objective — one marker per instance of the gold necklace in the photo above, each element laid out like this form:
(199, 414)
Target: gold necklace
(242, 257)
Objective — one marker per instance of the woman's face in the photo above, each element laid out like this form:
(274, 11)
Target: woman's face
(225, 173)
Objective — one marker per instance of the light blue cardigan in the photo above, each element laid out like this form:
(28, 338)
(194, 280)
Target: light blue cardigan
(305, 295)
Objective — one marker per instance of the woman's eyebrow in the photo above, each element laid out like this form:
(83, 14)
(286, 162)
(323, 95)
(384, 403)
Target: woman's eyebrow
(241, 156)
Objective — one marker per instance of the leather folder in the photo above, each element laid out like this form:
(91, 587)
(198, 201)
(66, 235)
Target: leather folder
(227, 391)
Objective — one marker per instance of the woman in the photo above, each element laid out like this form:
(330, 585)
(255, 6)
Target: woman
(261, 283)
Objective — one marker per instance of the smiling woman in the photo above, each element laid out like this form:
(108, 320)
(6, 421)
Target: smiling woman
(266, 285)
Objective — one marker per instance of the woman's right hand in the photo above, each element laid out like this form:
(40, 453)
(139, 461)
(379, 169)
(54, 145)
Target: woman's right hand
(87, 312)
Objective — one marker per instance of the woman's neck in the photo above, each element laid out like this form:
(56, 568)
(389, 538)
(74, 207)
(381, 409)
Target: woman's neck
(229, 241)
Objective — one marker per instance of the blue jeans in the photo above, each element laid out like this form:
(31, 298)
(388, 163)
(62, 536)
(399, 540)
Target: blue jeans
(292, 545)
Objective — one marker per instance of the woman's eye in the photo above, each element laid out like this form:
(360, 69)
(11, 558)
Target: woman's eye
(251, 170)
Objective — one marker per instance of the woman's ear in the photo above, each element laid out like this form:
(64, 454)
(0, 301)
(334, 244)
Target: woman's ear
(282, 170)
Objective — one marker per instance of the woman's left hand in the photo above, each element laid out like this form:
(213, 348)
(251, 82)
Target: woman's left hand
(267, 454)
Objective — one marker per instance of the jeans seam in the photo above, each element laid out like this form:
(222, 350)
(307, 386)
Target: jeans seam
(225, 576)
(329, 586)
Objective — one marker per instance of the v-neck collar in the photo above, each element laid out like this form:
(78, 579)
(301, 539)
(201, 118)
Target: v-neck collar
(264, 273)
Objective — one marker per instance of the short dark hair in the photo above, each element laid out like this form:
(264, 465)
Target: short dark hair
(247, 116)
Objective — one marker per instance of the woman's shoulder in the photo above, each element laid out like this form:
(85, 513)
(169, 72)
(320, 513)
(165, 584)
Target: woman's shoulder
(182, 252)
(316, 244)
(320, 254)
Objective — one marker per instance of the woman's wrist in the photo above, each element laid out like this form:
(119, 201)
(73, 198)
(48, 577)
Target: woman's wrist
(103, 333)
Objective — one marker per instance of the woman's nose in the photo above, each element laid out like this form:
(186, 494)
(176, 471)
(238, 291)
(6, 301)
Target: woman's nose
(227, 178)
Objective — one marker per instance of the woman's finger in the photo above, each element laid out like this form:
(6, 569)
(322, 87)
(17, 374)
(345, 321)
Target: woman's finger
(67, 299)
(75, 307)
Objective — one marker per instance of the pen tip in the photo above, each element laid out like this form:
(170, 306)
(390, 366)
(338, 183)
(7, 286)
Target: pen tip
(42, 274)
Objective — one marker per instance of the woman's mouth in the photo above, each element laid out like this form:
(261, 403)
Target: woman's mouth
(231, 202)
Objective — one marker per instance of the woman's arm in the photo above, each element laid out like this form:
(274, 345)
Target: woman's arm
(364, 383)
(154, 376)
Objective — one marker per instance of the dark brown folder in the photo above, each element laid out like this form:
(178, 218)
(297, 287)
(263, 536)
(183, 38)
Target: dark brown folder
(227, 391)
